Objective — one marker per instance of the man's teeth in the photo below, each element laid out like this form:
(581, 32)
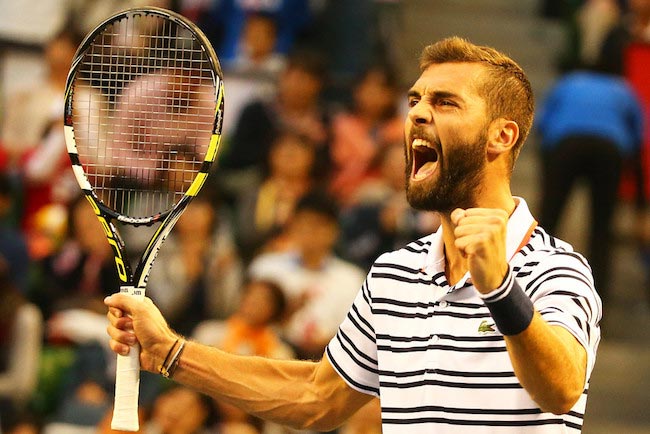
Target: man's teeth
(421, 142)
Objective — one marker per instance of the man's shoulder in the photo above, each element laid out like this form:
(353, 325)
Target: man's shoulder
(544, 249)
(410, 253)
(543, 242)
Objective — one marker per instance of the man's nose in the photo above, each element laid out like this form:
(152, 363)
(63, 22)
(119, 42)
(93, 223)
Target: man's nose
(420, 114)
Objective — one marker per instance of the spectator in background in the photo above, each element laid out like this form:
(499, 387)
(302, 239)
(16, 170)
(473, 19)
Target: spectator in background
(588, 26)
(265, 209)
(381, 219)
(176, 410)
(634, 26)
(21, 334)
(319, 286)
(638, 20)
(296, 107)
(21, 423)
(198, 273)
(179, 410)
(252, 330)
(33, 132)
(86, 389)
(224, 22)
(603, 28)
(348, 33)
(591, 125)
(254, 73)
(258, 43)
(82, 272)
(596, 19)
(360, 133)
(13, 247)
(86, 394)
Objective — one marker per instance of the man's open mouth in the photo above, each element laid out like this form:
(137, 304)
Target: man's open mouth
(425, 159)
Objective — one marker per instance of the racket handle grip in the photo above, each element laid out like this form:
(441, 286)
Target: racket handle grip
(127, 387)
(127, 383)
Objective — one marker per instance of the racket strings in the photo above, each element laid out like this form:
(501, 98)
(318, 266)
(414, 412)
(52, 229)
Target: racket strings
(143, 113)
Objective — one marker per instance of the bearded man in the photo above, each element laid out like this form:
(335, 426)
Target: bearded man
(488, 325)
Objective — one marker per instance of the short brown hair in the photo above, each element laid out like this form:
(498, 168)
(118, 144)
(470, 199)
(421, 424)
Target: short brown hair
(506, 88)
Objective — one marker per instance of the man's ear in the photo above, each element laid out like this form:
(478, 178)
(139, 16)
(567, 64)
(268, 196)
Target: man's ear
(502, 136)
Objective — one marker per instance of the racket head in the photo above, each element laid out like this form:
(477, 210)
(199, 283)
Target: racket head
(143, 114)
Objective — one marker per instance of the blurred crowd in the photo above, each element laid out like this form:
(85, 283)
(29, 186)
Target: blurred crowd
(308, 191)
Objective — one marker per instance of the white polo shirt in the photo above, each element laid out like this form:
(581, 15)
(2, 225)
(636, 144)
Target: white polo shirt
(431, 350)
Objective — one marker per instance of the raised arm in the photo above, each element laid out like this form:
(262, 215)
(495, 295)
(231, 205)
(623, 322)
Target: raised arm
(300, 394)
(550, 363)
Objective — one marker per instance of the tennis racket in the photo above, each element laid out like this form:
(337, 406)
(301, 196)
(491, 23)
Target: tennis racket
(143, 116)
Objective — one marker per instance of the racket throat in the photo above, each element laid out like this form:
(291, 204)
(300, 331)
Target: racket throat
(133, 291)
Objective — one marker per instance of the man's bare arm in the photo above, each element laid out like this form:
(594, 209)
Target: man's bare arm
(550, 363)
(299, 394)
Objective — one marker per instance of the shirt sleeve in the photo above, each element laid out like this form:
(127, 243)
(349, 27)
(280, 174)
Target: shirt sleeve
(353, 351)
(565, 296)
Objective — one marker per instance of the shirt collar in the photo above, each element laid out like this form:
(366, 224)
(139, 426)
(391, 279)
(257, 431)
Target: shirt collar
(520, 227)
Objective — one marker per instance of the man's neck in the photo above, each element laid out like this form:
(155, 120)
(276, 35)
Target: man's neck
(455, 263)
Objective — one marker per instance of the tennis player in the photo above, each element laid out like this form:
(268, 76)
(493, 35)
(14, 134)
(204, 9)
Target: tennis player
(488, 325)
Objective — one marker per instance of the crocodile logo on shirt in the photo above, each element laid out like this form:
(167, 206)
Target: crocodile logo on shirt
(486, 328)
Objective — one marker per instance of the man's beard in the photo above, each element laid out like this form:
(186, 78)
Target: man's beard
(459, 176)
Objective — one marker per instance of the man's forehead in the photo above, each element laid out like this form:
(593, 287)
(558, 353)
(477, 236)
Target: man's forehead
(456, 77)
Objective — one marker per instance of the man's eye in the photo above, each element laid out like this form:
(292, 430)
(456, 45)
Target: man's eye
(413, 102)
(446, 102)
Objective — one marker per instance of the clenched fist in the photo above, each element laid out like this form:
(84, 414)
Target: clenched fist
(481, 238)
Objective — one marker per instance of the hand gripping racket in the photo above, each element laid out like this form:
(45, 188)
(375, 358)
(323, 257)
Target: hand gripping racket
(143, 116)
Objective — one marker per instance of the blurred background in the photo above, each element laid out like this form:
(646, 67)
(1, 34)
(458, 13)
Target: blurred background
(315, 93)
